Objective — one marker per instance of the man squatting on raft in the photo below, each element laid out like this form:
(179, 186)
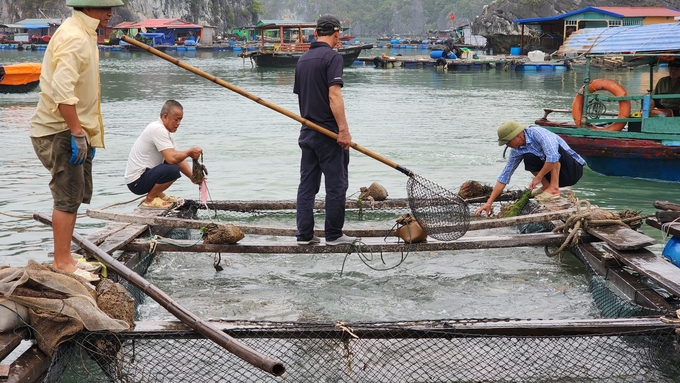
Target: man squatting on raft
(545, 154)
(155, 163)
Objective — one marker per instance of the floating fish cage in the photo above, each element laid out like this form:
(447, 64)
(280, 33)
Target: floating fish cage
(629, 342)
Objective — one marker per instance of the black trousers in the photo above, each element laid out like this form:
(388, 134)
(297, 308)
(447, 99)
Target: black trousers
(570, 170)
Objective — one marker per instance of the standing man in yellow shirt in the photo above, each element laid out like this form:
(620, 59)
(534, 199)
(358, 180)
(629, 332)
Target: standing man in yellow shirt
(67, 125)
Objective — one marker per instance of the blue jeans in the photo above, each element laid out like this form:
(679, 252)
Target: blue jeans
(321, 155)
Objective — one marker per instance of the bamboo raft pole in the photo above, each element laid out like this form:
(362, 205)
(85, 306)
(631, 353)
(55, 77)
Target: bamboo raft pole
(376, 245)
(391, 203)
(206, 329)
(444, 328)
(170, 222)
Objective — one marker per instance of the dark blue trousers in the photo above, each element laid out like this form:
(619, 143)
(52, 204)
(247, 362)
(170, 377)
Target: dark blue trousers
(321, 155)
(160, 174)
(570, 170)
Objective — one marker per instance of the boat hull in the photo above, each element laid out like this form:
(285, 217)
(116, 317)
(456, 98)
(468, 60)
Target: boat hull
(19, 78)
(289, 60)
(635, 158)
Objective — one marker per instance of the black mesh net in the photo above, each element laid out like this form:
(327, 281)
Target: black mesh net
(442, 213)
(386, 352)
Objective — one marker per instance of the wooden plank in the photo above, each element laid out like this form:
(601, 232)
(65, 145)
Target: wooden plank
(261, 230)
(433, 329)
(122, 238)
(649, 264)
(29, 366)
(4, 370)
(10, 340)
(608, 267)
(100, 235)
(666, 227)
(621, 237)
(287, 245)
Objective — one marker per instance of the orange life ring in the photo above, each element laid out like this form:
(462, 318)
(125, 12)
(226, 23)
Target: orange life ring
(612, 87)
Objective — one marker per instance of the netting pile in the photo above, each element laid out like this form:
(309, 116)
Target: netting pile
(386, 353)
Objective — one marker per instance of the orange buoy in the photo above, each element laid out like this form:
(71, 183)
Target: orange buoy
(612, 87)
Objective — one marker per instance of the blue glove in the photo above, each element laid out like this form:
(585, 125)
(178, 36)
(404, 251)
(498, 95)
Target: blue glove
(94, 151)
(78, 149)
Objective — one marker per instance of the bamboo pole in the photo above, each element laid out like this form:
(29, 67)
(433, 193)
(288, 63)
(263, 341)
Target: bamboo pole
(187, 317)
(283, 231)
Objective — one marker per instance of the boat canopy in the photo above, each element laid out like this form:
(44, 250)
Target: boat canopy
(653, 38)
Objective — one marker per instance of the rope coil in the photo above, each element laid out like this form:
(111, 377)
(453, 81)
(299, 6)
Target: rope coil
(586, 217)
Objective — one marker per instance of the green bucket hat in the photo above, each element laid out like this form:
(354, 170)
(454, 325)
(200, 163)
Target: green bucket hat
(509, 130)
(94, 3)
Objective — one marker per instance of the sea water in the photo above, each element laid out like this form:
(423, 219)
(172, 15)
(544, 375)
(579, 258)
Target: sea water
(440, 124)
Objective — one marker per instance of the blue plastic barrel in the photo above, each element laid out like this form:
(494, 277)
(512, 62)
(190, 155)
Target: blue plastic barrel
(394, 41)
(672, 251)
(238, 49)
(436, 54)
(514, 51)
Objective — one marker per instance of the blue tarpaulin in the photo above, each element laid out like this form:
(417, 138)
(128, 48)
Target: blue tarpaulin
(653, 38)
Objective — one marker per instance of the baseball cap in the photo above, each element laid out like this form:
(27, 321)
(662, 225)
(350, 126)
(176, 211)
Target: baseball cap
(328, 23)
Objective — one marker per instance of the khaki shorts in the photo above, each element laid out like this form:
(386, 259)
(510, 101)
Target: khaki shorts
(70, 185)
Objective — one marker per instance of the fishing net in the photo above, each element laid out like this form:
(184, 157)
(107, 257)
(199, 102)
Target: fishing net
(426, 351)
(443, 214)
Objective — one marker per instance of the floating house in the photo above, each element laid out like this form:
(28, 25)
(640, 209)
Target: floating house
(554, 30)
(35, 31)
(174, 31)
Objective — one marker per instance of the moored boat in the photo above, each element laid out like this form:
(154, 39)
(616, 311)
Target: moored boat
(19, 78)
(614, 139)
(282, 43)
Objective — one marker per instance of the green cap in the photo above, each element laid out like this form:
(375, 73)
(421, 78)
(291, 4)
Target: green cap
(509, 130)
(94, 3)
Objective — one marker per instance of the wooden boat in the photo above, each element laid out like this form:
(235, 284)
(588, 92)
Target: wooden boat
(19, 78)
(644, 144)
(292, 39)
(613, 139)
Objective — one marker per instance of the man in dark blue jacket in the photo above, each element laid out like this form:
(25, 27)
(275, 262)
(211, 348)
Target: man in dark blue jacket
(318, 84)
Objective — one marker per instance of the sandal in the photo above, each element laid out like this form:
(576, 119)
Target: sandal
(87, 266)
(157, 203)
(85, 275)
(169, 198)
(536, 192)
(545, 197)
